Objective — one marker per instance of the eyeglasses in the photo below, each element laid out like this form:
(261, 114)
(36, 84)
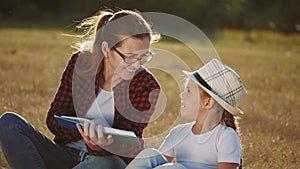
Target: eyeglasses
(133, 58)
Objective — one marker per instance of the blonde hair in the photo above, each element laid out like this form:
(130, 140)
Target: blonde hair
(229, 120)
(97, 29)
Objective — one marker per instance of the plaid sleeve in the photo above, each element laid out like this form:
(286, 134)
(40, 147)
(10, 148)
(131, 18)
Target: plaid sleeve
(63, 105)
(144, 93)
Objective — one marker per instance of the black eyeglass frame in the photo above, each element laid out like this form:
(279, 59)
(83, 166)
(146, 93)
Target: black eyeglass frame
(125, 58)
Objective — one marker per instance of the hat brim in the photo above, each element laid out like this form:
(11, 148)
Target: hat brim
(233, 110)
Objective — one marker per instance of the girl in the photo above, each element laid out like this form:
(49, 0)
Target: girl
(211, 97)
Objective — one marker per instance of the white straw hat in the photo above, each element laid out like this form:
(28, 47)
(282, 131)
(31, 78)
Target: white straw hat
(221, 83)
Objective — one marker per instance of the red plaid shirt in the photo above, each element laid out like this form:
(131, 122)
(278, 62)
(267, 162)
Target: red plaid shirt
(134, 104)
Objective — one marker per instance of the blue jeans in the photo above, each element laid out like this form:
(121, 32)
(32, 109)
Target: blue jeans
(103, 162)
(152, 158)
(25, 147)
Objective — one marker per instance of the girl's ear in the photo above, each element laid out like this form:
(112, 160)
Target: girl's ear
(104, 48)
(209, 102)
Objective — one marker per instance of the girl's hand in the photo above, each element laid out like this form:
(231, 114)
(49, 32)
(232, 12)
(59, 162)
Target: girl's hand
(93, 136)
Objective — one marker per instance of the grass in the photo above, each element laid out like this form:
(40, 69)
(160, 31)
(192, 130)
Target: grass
(32, 61)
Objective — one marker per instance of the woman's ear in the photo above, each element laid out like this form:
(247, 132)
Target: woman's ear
(104, 48)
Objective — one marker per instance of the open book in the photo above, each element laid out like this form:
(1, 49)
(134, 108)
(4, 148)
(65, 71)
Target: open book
(120, 136)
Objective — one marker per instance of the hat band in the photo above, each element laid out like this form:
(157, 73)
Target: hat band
(201, 81)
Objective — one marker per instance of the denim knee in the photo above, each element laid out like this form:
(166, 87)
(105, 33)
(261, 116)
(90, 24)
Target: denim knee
(170, 166)
(148, 158)
(8, 122)
(111, 162)
(148, 152)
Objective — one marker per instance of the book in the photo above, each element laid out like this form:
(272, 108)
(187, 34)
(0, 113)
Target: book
(119, 136)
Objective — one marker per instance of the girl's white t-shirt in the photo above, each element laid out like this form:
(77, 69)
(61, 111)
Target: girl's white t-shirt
(202, 151)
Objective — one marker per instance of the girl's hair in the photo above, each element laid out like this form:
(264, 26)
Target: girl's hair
(112, 27)
(227, 118)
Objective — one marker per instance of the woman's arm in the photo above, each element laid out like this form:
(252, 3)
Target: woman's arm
(63, 105)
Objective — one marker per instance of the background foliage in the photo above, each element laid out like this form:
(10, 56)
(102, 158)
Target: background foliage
(279, 15)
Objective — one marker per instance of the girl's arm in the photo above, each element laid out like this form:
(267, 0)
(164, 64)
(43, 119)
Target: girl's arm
(227, 165)
(170, 159)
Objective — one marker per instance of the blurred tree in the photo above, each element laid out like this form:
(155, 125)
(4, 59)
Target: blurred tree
(52, 6)
(280, 15)
(17, 9)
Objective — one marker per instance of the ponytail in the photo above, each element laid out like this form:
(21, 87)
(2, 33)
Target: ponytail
(229, 120)
(89, 43)
(103, 19)
(90, 28)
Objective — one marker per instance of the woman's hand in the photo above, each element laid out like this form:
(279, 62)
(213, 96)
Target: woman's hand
(93, 136)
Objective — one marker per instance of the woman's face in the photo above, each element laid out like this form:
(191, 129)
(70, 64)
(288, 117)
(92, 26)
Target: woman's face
(190, 101)
(132, 50)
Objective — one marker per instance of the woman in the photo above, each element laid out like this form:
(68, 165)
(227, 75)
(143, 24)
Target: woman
(105, 81)
(211, 97)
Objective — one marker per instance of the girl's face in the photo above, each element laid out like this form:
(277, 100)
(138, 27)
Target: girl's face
(133, 51)
(190, 101)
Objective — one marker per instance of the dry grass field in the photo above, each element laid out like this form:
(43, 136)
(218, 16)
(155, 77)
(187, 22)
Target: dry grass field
(32, 61)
